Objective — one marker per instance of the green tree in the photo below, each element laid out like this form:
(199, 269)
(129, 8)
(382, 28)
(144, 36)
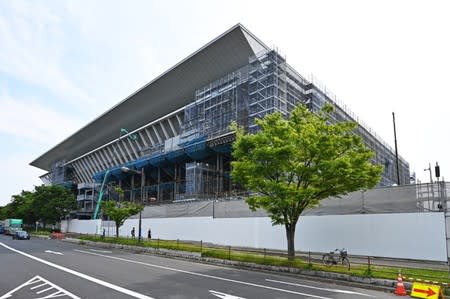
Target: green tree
(3, 212)
(53, 202)
(119, 192)
(119, 212)
(21, 206)
(292, 164)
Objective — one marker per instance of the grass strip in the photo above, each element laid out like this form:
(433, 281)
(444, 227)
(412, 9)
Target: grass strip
(227, 253)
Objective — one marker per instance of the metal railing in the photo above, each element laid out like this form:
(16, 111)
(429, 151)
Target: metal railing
(364, 266)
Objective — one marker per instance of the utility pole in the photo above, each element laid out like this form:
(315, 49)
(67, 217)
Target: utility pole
(429, 170)
(430, 186)
(396, 151)
(142, 202)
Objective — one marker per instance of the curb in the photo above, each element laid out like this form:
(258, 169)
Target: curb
(385, 285)
(40, 236)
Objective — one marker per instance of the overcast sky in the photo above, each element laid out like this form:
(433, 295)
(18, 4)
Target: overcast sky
(63, 63)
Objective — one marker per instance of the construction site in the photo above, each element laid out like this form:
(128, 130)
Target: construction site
(183, 151)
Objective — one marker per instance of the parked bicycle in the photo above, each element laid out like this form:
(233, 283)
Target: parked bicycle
(330, 259)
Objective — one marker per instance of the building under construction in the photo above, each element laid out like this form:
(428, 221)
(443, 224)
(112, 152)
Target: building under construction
(171, 140)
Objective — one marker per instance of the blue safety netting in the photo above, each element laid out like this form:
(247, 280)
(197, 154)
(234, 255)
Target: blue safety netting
(159, 159)
(141, 163)
(114, 174)
(178, 156)
(223, 149)
(197, 149)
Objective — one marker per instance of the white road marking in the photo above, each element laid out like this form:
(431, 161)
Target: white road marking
(81, 275)
(60, 291)
(203, 275)
(44, 290)
(54, 252)
(102, 251)
(54, 295)
(38, 286)
(224, 296)
(317, 288)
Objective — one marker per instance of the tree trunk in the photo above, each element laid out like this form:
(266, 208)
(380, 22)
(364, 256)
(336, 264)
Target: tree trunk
(290, 235)
(117, 231)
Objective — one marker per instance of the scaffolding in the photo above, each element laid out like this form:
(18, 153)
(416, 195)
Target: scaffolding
(60, 174)
(267, 87)
(195, 163)
(217, 105)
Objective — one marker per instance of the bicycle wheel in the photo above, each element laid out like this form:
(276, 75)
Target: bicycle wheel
(346, 263)
(327, 259)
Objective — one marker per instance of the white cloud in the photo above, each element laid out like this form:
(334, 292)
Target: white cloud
(35, 122)
(17, 175)
(33, 51)
(27, 129)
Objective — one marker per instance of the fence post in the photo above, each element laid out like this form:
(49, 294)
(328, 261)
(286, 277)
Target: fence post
(368, 264)
(264, 253)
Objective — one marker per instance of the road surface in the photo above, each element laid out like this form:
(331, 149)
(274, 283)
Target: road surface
(40, 268)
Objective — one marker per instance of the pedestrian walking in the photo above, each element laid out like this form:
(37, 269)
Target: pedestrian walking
(149, 234)
(132, 232)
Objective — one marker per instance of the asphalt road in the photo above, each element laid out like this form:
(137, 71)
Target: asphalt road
(41, 268)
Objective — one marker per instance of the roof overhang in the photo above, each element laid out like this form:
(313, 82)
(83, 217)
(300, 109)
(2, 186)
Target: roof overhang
(170, 91)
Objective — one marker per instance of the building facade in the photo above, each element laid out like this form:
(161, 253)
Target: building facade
(171, 140)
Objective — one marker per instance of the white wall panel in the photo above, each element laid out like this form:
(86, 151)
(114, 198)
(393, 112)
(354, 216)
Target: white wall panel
(81, 226)
(405, 235)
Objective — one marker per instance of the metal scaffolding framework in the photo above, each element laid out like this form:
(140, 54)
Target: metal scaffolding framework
(187, 154)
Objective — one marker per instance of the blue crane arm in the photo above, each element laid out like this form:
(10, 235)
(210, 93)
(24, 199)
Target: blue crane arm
(100, 196)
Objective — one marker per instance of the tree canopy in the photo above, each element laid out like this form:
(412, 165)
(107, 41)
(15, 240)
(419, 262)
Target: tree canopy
(53, 202)
(120, 211)
(46, 203)
(291, 164)
(21, 207)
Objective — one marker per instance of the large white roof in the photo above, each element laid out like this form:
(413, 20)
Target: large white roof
(170, 91)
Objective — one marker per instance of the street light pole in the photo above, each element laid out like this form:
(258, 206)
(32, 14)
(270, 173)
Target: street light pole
(142, 202)
(396, 151)
(431, 179)
(429, 169)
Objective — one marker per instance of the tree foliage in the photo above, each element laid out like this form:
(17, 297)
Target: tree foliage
(47, 204)
(21, 207)
(3, 212)
(291, 164)
(53, 202)
(119, 212)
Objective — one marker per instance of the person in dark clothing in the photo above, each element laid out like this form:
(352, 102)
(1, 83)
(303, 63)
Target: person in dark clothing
(132, 232)
(149, 234)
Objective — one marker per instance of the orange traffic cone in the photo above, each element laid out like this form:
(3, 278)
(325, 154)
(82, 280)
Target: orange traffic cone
(400, 289)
